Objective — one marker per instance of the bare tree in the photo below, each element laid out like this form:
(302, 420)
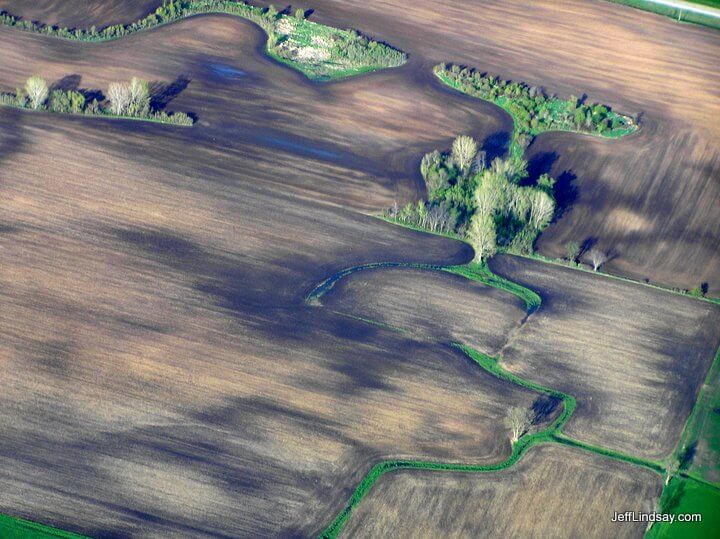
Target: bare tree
(120, 96)
(597, 257)
(464, 150)
(542, 207)
(518, 420)
(37, 91)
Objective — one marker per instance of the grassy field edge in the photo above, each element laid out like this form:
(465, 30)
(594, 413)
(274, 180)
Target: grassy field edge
(678, 14)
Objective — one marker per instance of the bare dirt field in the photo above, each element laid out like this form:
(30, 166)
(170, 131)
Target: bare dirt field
(650, 198)
(633, 356)
(80, 14)
(161, 371)
(554, 491)
(432, 304)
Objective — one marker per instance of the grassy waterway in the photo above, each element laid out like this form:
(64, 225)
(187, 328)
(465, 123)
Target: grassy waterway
(551, 434)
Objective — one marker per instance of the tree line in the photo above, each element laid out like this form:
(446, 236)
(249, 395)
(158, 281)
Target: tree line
(128, 99)
(348, 45)
(532, 110)
(490, 206)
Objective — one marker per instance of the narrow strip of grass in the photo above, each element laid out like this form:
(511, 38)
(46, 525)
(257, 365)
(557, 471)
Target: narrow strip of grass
(19, 528)
(551, 434)
(679, 14)
(586, 269)
(483, 274)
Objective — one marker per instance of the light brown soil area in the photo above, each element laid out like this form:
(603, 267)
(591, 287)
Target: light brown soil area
(431, 304)
(633, 356)
(553, 491)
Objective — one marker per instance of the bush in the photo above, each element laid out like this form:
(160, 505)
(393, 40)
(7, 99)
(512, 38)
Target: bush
(699, 291)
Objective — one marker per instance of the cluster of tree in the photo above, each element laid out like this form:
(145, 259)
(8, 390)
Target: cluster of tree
(532, 110)
(131, 99)
(359, 49)
(487, 205)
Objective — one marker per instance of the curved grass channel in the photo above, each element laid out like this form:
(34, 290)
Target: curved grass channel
(553, 433)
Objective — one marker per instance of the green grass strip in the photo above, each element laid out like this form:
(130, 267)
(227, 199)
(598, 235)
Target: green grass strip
(483, 274)
(679, 14)
(551, 434)
(475, 272)
(19, 528)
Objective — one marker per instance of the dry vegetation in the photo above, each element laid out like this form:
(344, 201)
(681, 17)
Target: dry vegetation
(553, 492)
(633, 356)
(161, 371)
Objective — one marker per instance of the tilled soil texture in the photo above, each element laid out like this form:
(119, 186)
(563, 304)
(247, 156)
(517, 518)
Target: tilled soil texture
(434, 305)
(161, 370)
(635, 357)
(80, 14)
(163, 375)
(554, 491)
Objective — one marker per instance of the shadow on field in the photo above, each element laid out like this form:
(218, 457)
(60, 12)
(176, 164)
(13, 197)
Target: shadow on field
(496, 145)
(161, 93)
(67, 83)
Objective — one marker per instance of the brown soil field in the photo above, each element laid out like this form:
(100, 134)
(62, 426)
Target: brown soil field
(554, 491)
(635, 357)
(76, 14)
(161, 371)
(430, 304)
(163, 374)
(650, 198)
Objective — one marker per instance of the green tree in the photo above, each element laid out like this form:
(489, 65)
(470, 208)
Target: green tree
(482, 236)
(572, 250)
(139, 98)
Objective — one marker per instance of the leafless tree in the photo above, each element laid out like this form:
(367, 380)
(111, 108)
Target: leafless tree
(464, 149)
(542, 207)
(518, 420)
(597, 257)
(120, 95)
(37, 91)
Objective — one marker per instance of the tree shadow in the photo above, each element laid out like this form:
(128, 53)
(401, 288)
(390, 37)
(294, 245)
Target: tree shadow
(687, 456)
(539, 164)
(566, 193)
(67, 83)
(544, 407)
(161, 94)
(496, 145)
